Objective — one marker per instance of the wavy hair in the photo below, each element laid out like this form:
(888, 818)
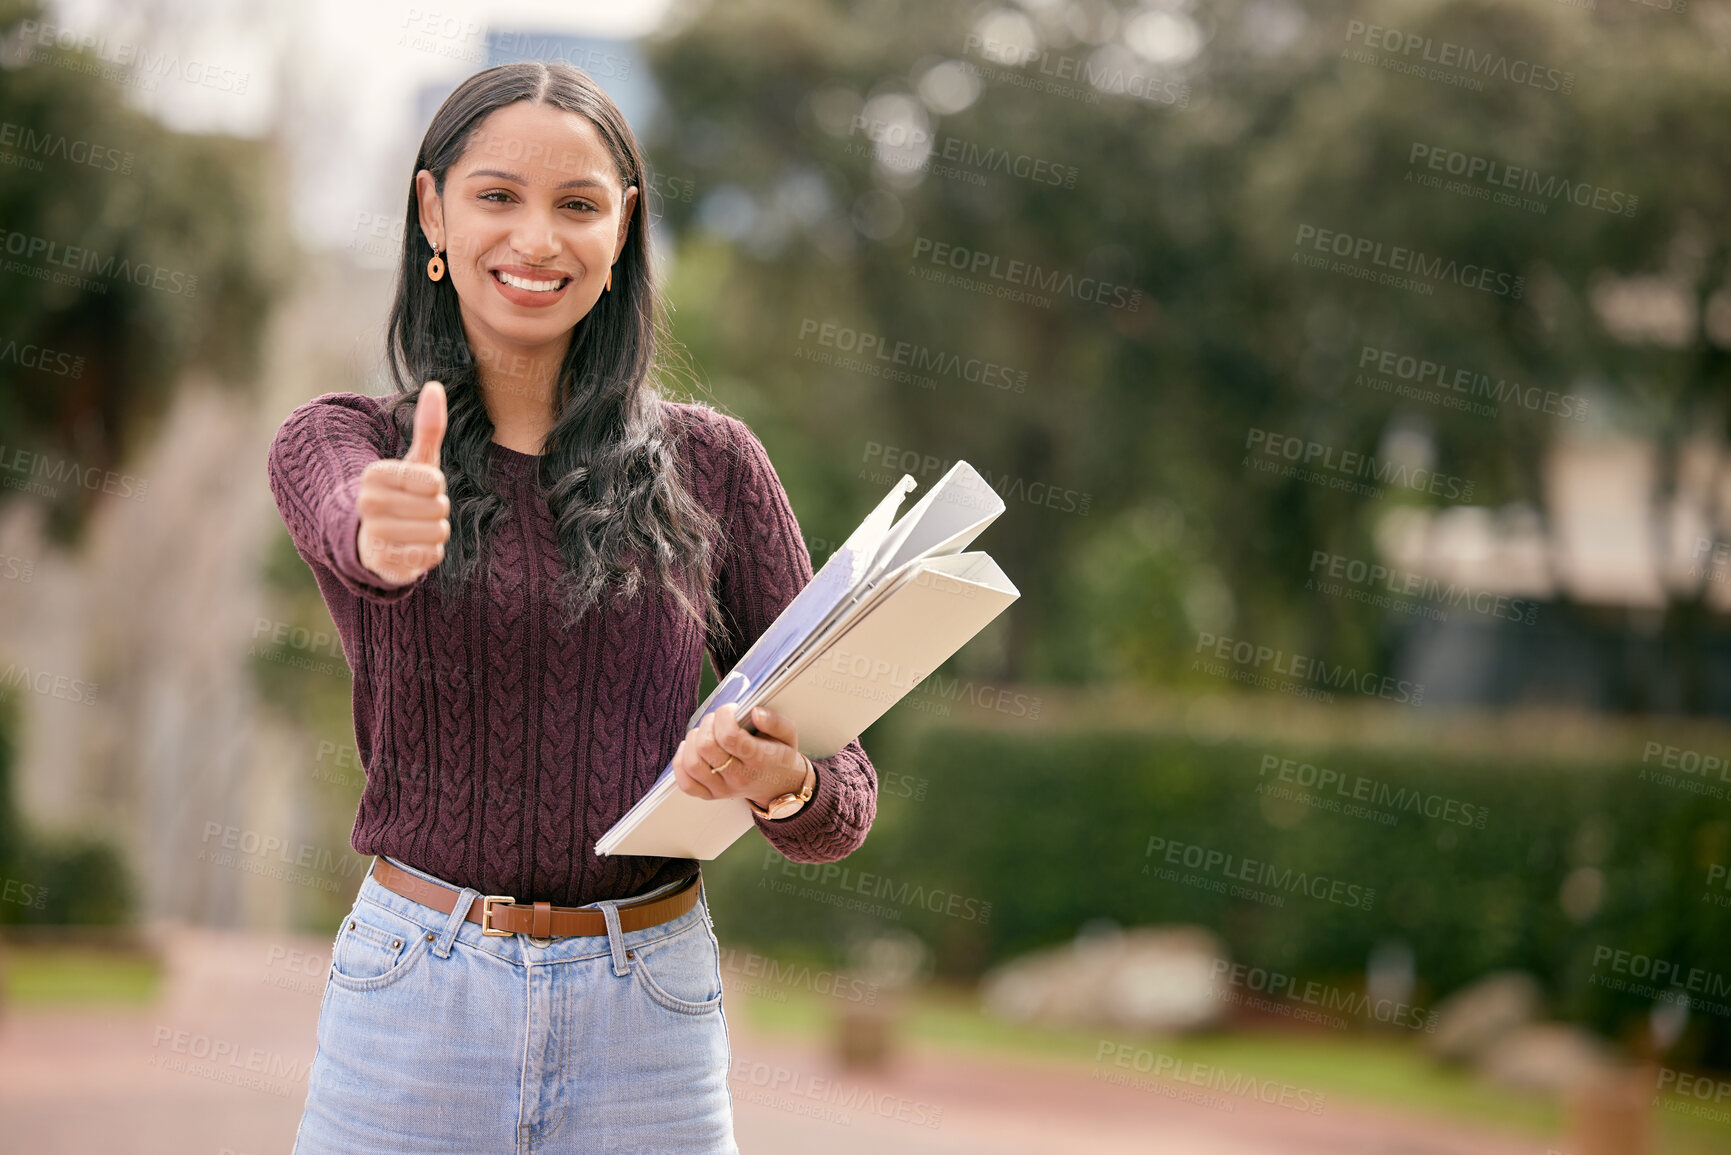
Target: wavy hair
(609, 465)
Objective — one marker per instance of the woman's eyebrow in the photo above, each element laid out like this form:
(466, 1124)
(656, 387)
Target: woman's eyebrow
(580, 182)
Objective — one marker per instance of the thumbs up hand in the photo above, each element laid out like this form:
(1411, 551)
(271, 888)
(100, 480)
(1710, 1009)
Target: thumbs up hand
(405, 513)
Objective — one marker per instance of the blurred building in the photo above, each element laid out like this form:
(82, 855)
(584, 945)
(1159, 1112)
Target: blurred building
(1615, 596)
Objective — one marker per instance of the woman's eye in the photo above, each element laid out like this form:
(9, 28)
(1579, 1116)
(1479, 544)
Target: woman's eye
(488, 196)
(580, 205)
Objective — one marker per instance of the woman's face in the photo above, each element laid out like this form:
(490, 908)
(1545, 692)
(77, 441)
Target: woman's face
(531, 220)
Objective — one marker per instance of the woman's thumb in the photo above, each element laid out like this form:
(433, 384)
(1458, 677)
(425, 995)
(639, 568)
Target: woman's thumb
(429, 425)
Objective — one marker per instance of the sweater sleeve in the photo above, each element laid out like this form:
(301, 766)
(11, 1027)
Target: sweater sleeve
(314, 466)
(764, 565)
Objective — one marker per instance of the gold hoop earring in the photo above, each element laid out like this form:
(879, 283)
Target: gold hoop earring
(609, 288)
(435, 267)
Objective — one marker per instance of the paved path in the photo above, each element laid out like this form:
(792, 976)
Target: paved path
(77, 1081)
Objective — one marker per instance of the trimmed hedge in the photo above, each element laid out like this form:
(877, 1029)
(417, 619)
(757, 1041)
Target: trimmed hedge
(1574, 862)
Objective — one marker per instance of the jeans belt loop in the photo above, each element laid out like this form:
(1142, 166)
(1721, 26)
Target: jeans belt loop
(615, 936)
(454, 921)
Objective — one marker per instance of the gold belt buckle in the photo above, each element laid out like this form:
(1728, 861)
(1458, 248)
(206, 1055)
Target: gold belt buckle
(487, 901)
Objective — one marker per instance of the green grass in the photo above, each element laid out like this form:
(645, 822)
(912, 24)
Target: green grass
(36, 977)
(1379, 1070)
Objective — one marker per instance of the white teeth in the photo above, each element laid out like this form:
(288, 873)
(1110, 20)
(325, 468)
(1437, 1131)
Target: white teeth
(532, 286)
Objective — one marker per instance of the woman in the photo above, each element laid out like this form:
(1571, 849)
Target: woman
(525, 572)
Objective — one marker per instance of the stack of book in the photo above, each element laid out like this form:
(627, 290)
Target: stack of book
(886, 610)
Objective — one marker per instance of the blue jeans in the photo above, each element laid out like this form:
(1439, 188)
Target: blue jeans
(435, 1038)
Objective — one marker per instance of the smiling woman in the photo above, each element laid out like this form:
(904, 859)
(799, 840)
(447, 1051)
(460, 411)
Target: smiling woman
(527, 551)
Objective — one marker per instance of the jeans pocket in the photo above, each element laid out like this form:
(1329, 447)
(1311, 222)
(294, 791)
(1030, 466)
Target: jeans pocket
(375, 948)
(682, 972)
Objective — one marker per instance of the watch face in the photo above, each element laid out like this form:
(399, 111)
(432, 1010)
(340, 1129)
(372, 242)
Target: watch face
(786, 804)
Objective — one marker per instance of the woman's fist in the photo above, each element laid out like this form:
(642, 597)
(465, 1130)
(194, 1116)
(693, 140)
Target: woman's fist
(405, 514)
(760, 766)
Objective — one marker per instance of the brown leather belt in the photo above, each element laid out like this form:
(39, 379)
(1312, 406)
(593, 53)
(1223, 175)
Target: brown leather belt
(500, 914)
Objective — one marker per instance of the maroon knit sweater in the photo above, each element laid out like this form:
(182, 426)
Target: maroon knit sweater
(499, 745)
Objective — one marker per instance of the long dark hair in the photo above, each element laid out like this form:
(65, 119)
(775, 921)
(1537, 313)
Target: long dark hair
(609, 464)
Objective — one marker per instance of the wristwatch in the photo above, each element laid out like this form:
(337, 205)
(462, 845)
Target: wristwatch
(790, 803)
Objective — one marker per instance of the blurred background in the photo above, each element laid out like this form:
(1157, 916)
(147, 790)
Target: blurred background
(1353, 773)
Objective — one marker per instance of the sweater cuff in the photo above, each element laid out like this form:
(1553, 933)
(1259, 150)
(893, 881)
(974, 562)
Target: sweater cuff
(341, 517)
(814, 818)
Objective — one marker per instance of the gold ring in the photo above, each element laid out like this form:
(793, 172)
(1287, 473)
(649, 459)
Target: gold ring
(723, 766)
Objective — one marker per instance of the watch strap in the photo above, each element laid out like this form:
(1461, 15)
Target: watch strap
(802, 797)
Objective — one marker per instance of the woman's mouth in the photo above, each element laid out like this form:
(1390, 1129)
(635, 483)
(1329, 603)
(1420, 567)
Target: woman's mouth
(533, 290)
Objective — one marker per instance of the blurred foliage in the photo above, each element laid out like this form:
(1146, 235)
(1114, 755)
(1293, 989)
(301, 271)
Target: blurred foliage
(94, 188)
(75, 879)
(1197, 203)
(313, 689)
(1053, 829)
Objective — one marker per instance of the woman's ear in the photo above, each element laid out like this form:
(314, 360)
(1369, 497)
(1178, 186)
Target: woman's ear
(432, 210)
(625, 211)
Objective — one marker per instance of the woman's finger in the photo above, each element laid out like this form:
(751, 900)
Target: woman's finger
(705, 744)
(374, 501)
(735, 740)
(775, 725)
(689, 776)
(400, 563)
(407, 531)
(393, 473)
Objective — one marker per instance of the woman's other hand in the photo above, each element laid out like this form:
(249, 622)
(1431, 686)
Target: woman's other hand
(765, 765)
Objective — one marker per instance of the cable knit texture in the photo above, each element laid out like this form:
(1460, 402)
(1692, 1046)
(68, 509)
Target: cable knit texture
(499, 745)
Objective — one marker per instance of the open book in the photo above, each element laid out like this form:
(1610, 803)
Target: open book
(888, 608)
